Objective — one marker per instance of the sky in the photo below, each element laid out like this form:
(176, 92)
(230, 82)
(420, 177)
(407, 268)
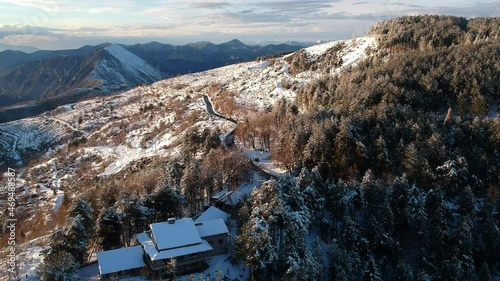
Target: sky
(64, 24)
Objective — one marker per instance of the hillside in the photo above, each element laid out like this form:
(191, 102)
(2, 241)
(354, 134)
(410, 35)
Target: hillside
(375, 157)
(60, 77)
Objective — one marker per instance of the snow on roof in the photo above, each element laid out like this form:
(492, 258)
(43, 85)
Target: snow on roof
(212, 213)
(120, 259)
(213, 227)
(219, 194)
(154, 254)
(233, 198)
(178, 234)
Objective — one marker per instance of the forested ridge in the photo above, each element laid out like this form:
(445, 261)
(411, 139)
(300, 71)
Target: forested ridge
(396, 162)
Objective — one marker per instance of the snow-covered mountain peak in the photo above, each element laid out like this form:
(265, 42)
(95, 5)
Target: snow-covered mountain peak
(130, 64)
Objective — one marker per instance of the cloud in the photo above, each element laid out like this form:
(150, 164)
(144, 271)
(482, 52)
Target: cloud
(347, 16)
(17, 30)
(106, 10)
(204, 20)
(481, 9)
(302, 6)
(209, 5)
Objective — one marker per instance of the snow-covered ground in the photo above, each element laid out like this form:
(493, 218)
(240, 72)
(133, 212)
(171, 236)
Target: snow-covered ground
(222, 264)
(264, 162)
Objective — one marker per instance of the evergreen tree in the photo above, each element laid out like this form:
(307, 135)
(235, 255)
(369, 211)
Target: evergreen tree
(192, 186)
(418, 215)
(484, 273)
(58, 266)
(82, 208)
(257, 242)
(344, 264)
(316, 268)
(437, 225)
(372, 272)
(165, 202)
(466, 202)
(487, 236)
(400, 205)
(133, 217)
(109, 229)
(403, 271)
(464, 243)
(76, 239)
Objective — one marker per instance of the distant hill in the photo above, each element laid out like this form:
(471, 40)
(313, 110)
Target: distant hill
(107, 68)
(25, 49)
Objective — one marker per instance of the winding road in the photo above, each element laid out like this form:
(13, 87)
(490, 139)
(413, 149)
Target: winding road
(14, 144)
(228, 139)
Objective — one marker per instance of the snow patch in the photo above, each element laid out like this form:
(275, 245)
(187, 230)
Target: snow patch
(133, 63)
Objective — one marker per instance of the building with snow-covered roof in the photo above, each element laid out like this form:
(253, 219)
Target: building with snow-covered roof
(174, 234)
(189, 243)
(215, 232)
(121, 262)
(212, 213)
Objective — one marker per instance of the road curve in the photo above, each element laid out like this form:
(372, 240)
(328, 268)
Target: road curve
(228, 139)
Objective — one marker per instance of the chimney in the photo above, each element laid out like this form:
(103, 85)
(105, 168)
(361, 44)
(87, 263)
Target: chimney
(171, 220)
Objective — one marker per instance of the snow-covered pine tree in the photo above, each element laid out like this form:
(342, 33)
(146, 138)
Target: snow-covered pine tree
(372, 272)
(109, 229)
(165, 202)
(82, 208)
(76, 239)
(58, 266)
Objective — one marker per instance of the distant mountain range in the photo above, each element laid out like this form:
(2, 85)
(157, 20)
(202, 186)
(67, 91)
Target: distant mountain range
(43, 80)
(26, 49)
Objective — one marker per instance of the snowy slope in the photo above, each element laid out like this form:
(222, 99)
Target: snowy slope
(254, 84)
(121, 66)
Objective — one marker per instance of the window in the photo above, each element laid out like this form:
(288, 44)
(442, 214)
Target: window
(221, 241)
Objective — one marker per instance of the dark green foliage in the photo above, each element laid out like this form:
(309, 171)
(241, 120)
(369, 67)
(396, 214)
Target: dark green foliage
(76, 239)
(134, 217)
(422, 32)
(386, 114)
(165, 202)
(484, 274)
(58, 266)
(195, 140)
(83, 209)
(109, 229)
(403, 272)
(394, 150)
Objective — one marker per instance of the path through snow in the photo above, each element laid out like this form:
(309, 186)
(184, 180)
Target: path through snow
(68, 125)
(14, 144)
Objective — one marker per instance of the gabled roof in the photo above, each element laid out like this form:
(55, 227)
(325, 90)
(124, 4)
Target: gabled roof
(233, 198)
(212, 213)
(120, 259)
(220, 194)
(179, 234)
(150, 248)
(210, 228)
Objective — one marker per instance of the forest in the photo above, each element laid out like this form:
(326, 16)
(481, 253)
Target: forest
(394, 168)
(396, 162)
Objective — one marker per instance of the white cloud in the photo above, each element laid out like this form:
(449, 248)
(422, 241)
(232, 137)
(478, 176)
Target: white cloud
(196, 20)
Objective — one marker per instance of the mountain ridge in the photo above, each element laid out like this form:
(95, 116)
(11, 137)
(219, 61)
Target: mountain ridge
(67, 73)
